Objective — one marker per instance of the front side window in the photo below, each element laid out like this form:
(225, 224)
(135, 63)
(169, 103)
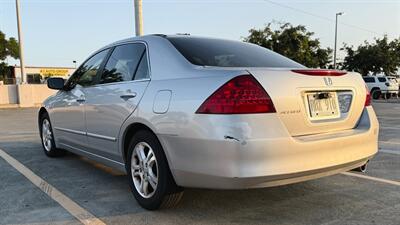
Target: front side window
(86, 74)
(382, 79)
(123, 63)
(369, 79)
(225, 53)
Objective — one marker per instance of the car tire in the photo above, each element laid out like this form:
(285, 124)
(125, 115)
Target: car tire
(149, 175)
(376, 93)
(47, 137)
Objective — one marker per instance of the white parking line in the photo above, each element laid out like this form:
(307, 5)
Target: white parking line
(389, 117)
(389, 151)
(372, 178)
(390, 142)
(73, 208)
(7, 137)
(390, 128)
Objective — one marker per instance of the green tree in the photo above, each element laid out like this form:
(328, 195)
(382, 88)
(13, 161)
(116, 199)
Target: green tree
(8, 48)
(294, 42)
(381, 56)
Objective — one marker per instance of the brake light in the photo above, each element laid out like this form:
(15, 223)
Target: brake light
(320, 72)
(367, 97)
(241, 95)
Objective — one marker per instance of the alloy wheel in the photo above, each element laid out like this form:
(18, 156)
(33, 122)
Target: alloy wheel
(144, 170)
(46, 135)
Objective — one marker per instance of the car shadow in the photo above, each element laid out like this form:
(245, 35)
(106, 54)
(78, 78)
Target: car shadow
(105, 193)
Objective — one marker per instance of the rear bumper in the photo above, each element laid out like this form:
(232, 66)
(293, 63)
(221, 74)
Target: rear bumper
(237, 163)
(189, 179)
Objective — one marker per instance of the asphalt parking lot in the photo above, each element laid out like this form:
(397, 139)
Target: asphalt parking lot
(372, 198)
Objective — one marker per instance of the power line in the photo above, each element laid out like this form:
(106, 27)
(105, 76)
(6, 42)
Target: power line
(321, 17)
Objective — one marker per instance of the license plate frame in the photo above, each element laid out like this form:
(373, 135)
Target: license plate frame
(323, 109)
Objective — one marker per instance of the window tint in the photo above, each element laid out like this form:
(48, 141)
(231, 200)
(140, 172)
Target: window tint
(369, 79)
(382, 79)
(142, 71)
(122, 63)
(225, 53)
(86, 74)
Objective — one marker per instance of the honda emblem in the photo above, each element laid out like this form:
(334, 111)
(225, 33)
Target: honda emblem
(328, 81)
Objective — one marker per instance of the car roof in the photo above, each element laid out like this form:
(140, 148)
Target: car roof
(167, 54)
(151, 37)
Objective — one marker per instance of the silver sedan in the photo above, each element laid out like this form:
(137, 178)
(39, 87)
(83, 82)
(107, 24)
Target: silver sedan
(181, 111)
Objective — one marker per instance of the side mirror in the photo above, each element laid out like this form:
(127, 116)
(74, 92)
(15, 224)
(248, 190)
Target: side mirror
(56, 83)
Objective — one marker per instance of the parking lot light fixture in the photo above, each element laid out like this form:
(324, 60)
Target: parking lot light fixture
(21, 48)
(336, 22)
(138, 18)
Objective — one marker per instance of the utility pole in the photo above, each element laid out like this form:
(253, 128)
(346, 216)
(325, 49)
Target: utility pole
(21, 53)
(334, 53)
(138, 18)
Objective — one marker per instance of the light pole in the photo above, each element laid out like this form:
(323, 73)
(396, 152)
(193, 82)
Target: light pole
(334, 53)
(138, 18)
(21, 53)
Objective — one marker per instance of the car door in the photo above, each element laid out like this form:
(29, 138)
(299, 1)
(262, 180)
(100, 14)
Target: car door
(67, 113)
(109, 103)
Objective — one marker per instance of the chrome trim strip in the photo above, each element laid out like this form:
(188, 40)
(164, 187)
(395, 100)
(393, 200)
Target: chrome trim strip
(86, 134)
(89, 153)
(101, 136)
(70, 131)
(117, 83)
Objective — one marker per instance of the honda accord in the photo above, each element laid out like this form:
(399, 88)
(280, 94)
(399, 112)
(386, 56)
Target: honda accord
(176, 111)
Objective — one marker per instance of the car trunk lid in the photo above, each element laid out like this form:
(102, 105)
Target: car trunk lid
(311, 102)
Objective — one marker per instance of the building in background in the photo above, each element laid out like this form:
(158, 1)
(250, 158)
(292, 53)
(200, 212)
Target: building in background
(36, 74)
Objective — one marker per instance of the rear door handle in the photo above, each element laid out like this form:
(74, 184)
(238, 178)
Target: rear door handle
(128, 96)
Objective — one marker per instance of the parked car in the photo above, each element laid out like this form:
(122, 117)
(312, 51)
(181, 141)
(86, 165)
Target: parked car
(395, 81)
(182, 111)
(379, 86)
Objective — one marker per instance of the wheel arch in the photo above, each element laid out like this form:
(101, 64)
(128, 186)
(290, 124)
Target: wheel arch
(41, 112)
(375, 88)
(44, 111)
(129, 132)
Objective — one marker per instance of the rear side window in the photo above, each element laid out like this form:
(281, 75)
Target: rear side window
(225, 53)
(123, 63)
(369, 79)
(142, 71)
(382, 79)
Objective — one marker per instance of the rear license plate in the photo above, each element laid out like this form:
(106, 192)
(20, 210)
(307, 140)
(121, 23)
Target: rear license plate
(323, 105)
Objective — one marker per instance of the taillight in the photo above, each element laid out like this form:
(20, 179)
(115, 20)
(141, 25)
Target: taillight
(241, 95)
(367, 97)
(320, 72)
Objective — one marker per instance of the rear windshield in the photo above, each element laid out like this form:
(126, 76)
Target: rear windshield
(225, 53)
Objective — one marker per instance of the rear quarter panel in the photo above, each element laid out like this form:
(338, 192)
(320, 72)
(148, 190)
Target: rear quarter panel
(187, 94)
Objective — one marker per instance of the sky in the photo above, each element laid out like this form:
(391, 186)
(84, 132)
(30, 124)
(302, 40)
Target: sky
(56, 32)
